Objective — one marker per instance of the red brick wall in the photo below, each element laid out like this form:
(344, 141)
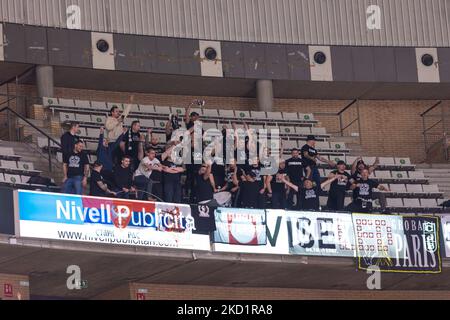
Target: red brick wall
(185, 292)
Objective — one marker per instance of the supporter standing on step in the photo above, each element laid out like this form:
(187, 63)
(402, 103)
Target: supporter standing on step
(191, 168)
(114, 128)
(276, 187)
(105, 154)
(295, 169)
(363, 193)
(359, 165)
(76, 170)
(143, 176)
(152, 141)
(68, 140)
(133, 143)
(310, 157)
(97, 185)
(171, 176)
(123, 178)
(308, 193)
(204, 183)
(336, 195)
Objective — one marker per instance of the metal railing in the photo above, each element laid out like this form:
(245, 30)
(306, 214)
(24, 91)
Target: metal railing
(11, 136)
(340, 116)
(435, 133)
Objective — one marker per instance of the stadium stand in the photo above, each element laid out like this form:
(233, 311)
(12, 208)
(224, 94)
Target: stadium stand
(409, 191)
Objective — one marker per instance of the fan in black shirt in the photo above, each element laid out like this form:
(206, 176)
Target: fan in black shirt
(132, 144)
(249, 190)
(295, 169)
(218, 173)
(98, 186)
(123, 178)
(204, 183)
(310, 156)
(359, 165)
(68, 140)
(338, 188)
(308, 194)
(253, 172)
(363, 193)
(276, 187)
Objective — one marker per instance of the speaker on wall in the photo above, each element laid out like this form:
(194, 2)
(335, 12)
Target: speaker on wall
(320, 63)
(210, 58)
(102, 51)
(427, 65)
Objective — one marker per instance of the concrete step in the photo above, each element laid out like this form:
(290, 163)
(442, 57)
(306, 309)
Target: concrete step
(433, 166)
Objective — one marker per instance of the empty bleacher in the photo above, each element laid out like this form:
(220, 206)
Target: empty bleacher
(17, 173)
(409, 189)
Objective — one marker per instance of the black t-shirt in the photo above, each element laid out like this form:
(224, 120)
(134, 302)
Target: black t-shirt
(309, 199)
(123, 177)
(218, 172)
(364, 190)
(67, 144)
(312, 153)
(294, 169)
(278, 185)
(256, 172)
(156, 176)
(131, 147)
(95, 190)
(171, 177)
(75, 164)
(249, 194)
(339, 186)
(204, 189)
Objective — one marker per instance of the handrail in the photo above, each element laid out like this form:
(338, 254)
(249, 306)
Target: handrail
(32, 125)
(426, 130)
(349, 124)
(431, 108)
(17, 76)
(49, 138)
(347, 106)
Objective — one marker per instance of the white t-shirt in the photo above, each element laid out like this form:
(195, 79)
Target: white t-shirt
(142, 170)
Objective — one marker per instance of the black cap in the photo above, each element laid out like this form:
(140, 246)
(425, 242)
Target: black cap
(193, 114)
(77, 141)
(340, 162)
(310, 137)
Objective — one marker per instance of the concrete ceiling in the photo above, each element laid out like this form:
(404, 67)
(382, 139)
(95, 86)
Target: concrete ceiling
(193, 85)
(106, 267)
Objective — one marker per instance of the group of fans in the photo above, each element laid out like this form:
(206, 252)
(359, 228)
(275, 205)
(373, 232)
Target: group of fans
(133, 165)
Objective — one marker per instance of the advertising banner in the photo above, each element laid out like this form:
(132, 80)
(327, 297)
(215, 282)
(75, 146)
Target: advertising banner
(320, 233)
(303, 233)
(240, 226)
(398, 243)
(276, 233)
(205, 220)
(445, 221)
(106, 220)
